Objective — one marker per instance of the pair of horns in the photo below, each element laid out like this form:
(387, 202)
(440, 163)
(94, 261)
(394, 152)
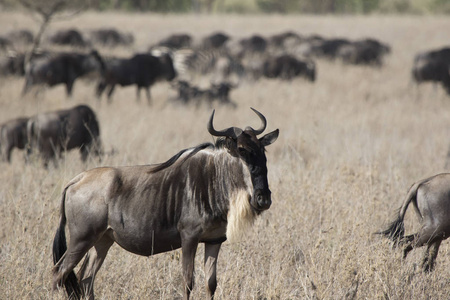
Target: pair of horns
(234, 132)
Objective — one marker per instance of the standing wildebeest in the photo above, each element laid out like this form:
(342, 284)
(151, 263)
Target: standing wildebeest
(205, 194)
(433, 66)
(68, 37)
(431, 199)
(215, 41)
(111, 37)
(287, 67)
(176, 41)
(364, 52)
(62, 68)
(53, 132)
(13, 134)
(142, 70)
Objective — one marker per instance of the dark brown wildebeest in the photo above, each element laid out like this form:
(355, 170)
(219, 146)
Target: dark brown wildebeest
(142, 70)
(287, 67)
(13, 134)
(111, 37)
(433, 66)
(62, 68)
(205, 194)
(176, 41)
(364, 52)
(215, 41)
(68, 37)
(51, 133)
(329, 48)
(431, 199)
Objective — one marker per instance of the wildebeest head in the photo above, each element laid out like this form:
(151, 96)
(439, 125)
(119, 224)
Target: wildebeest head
(168, 67)
(247, 146)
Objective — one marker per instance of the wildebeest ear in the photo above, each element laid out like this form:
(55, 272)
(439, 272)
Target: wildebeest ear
(269, 138)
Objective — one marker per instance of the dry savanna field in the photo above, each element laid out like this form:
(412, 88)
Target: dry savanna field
(350, 146)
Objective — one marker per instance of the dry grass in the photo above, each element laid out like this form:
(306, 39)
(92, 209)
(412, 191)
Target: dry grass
(350, 146)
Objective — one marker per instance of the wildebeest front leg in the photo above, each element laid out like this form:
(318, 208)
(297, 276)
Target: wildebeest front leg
(110, 92)
(188, 248)
(211, 254)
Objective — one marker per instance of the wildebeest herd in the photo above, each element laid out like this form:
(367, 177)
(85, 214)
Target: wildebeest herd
(180, 203)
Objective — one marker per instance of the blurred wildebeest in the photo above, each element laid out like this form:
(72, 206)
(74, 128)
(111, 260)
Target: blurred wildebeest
(205, 194)
(364, 52)
(287, 67)
(329, 48)
(433, 66)
(21, 37)
(13, 64)
(111, 37)
(13, 134)
(253, 44)
(176, 41)
(68, 37)
(431, 199)
(143, 70)
(5, 43)
(188, 93)
(51, 133)
(61, 68)
(215, 41)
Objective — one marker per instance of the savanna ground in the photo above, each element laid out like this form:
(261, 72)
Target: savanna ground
(350, 146)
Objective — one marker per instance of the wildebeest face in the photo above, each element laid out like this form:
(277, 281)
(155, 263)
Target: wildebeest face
(252, 151)
(169, 69)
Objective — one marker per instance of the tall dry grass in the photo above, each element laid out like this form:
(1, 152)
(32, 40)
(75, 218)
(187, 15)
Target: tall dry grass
(350, 146)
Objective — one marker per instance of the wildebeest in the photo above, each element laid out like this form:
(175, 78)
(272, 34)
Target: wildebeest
(61, 68)
(68, 37)
(142, 70)
(364, 52)
(329, 48)
(287, 67)
(12, 64)
(431, 199)
(111, 37)
(217, 92)
(205, 194)
(13, 134)
(21, 37)
(253, 44)
(51, 133)
(176, 41)
(433, 66)
(215, 41)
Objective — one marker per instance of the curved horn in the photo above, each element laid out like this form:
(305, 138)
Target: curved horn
(263, 120)
(232, 132)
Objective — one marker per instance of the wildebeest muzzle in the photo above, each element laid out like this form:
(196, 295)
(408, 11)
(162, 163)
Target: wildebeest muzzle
(261, 200)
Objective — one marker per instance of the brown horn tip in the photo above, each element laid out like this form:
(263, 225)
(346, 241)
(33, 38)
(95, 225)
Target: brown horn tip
(263, 120)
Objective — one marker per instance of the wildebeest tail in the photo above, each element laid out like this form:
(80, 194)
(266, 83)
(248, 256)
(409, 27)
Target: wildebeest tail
(59, 248)
(396, 229)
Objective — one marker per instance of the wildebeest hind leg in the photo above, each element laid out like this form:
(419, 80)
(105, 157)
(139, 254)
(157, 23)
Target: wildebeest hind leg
(92, 263)
(430, 255)
(149, 98)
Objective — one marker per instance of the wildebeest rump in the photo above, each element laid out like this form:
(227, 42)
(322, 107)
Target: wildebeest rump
(287, 67)
(62, 68)
(431, 199)
(51, 133)
(142, 70)
(205, 194)
(13, 134)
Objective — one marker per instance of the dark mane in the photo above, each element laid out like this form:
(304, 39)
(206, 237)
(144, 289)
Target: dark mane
(174, 158)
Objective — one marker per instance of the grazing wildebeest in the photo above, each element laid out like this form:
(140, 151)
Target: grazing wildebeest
(68, 37)
(205, 194)
(218, 91)
(111, 37)
(215, 41)
(51, 133)
(13, 134)
(62, 68)
(364, 52)
(287, 67)
(176, 41)
(431, 199)
(143, 70)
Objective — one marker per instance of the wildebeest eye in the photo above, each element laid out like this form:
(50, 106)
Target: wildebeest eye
(243, 152)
